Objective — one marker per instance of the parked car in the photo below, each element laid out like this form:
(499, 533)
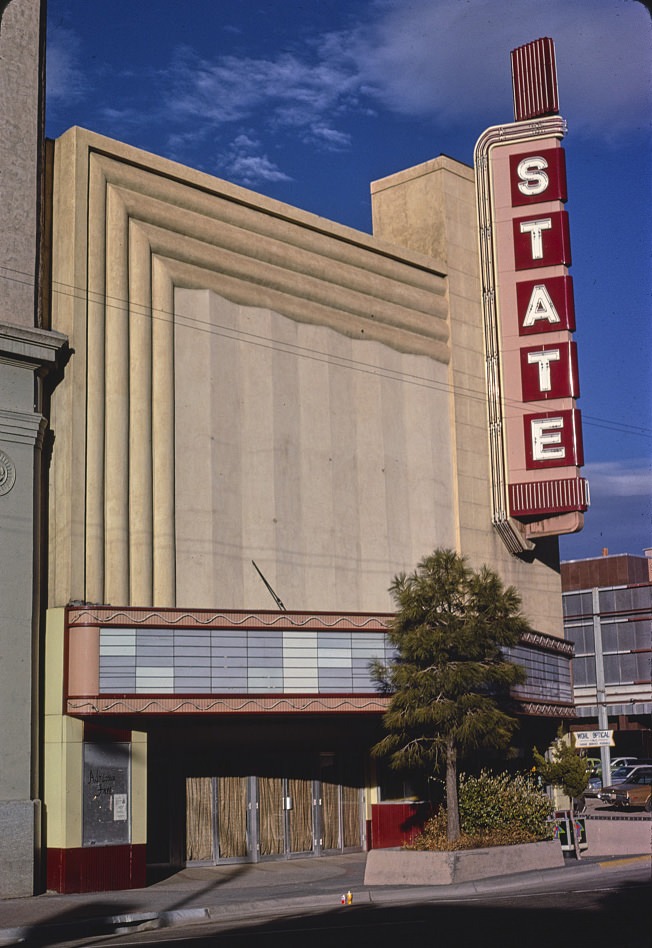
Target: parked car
(628, 762)
(620, 774)
(621, 768)
(594, 767)
(635, 791)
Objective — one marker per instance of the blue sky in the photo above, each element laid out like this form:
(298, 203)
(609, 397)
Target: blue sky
(309, 101)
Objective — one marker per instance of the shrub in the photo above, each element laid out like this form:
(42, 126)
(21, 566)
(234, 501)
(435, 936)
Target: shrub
(495, 810)
(565, 769)
(498, 801)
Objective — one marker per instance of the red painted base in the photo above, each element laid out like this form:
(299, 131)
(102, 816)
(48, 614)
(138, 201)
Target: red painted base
(393, 824)
(96, 868)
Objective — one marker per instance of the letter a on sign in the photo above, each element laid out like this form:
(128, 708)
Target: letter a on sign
(545, 305)
(540, 306)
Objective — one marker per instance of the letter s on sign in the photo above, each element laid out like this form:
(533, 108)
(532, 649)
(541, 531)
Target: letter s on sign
(533, 179)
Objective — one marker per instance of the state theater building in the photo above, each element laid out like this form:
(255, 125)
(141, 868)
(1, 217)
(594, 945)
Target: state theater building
(266, 416)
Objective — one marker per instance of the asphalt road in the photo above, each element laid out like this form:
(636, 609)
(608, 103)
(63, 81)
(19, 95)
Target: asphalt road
(614, 912)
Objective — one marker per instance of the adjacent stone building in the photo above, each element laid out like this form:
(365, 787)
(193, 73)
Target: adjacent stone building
(29, 353)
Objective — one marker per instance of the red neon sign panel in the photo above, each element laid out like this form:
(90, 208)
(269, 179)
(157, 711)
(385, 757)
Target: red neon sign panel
(542, 241)
(537, 176)
(549, 370)
(545, 305)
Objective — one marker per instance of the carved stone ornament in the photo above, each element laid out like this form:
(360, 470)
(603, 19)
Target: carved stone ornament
(7, 473)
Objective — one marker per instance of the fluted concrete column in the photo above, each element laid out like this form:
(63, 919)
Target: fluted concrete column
(96, 381)
(140, 420)
(116, 500)
(164, 550)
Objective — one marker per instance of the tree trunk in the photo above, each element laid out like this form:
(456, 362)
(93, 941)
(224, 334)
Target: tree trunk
(452, 805)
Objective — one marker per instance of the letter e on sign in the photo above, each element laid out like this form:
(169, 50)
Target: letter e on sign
(537, 176)
(553, 439)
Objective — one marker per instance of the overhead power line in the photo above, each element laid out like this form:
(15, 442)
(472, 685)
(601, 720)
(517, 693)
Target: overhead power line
(240, 335)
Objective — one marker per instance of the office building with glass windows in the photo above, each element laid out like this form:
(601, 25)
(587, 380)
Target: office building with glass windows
(608, 617)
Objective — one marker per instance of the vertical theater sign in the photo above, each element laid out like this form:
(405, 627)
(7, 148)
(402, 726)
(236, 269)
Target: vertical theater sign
(532, 380)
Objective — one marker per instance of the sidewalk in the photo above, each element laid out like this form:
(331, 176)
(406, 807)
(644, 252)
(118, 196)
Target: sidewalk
(238, 891)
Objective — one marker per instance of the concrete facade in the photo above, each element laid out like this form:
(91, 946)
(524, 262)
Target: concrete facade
(326, 384)
(207, 273)
(252, 384)
(431, 209)
(28, 352)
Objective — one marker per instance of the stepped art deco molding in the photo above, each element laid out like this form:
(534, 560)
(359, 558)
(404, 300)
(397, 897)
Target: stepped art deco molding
(129, 229)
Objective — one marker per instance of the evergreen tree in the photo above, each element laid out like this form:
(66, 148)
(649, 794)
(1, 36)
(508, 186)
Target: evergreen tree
(565, 769)
(449, 672)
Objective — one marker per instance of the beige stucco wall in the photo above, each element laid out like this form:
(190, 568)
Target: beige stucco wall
(431, 209)
(254, 382)
(63, 753)
(323, 458)
(249, 381)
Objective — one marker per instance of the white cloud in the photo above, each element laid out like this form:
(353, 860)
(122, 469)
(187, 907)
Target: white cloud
(322, 134)
(442, 59)
(631, 478)
(292, 91)
(65, 81)
(620, 515)
(243, 162)
(450, 59)
(252, 169)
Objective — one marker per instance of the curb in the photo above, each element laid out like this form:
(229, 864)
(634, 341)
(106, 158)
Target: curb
(107, 925)
(373, 895)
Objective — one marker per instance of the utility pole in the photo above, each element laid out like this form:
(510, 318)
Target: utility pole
(600, 690)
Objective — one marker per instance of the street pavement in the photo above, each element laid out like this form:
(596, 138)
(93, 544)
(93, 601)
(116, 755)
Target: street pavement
(232, 893)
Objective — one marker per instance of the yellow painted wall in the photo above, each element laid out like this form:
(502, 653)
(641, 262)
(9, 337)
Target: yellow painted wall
(63, 755)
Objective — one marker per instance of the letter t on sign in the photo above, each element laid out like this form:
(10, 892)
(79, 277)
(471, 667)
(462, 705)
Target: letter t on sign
(542, 241)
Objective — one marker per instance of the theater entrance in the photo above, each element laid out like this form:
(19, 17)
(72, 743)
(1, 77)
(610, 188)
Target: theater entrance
(235, 818)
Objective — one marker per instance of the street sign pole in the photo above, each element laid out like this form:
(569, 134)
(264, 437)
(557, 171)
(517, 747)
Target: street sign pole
(603, 719)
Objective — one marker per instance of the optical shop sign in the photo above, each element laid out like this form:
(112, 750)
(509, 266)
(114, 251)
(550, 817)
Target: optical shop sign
(594, 738)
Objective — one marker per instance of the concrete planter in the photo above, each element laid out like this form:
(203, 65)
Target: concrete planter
(404, 867)
(619, 836)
